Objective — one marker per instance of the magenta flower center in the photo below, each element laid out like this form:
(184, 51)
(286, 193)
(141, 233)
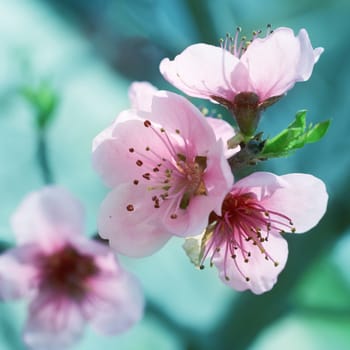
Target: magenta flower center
(243, 230)
(65, 272)
(174, 174)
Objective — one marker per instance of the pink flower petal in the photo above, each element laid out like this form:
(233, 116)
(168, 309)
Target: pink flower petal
(17, 272)
(308, 57)
(53, 323)
(174, 112)
(141, 94)
(276, 62)
(262, 273)
(108, 157)
(116, 304)
(263, 184)
(304, 200)
(47, 214)
(130, 232)
(223, 131)
(201, 70)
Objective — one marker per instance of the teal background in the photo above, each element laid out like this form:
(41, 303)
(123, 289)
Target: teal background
(89, 52)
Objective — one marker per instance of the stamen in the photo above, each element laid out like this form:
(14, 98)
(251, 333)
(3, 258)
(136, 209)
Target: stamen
(244, 222)
(130, 207)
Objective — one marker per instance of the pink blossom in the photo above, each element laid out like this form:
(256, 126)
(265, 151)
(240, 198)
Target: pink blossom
(246, 78)
(245, 241)
(141, 94)
(69, 279)
(167, 170)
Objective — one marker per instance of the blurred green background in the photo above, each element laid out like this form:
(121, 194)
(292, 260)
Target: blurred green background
(88, 52)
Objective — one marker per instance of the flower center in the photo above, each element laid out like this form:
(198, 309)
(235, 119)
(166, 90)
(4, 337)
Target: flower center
(174, 174)
(243, 229)
(65, 272)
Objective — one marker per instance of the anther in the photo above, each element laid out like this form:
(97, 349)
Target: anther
(173, 216)
(201, 267)
(227, 278)
(146, 176)
(147, 148)
(135, 182)
(247, 279)
(131, 150)
(147, 123)
(139, 162)
(130, 207)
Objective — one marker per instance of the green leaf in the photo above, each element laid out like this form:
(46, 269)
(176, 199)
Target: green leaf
(295, 136)
(318, 131)
(300, 120)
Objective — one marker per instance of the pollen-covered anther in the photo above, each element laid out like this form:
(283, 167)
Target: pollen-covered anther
(146, 176)
(131, 150)
(130, 207)
(147, 123)
(139, 162)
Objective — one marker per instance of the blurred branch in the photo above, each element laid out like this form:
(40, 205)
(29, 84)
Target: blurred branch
(44, 100)
(43, 160)
(325, 312)
(250, 314)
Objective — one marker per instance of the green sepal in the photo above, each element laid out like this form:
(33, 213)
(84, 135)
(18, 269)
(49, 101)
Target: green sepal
(295, 136)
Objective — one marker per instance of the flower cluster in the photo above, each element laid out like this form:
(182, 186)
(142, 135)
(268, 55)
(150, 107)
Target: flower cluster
(171, 169)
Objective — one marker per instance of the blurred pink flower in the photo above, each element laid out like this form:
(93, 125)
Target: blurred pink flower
(246, 78)
(69, 279)
(245, 241)
(167, 170)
